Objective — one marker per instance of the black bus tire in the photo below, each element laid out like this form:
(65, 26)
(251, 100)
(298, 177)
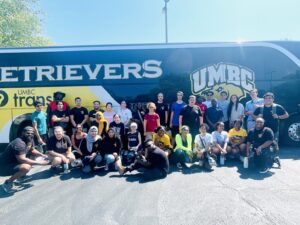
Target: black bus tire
(291, 131)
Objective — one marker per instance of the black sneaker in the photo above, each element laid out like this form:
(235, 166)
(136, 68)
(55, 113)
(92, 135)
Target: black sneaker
(264, 170)
(7, 186)
(277, 161)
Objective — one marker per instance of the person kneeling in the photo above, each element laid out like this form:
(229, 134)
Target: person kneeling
(60, 149)
(261, 139)
(155, 162)
(202, 150)
(90, 149)
(14, 160)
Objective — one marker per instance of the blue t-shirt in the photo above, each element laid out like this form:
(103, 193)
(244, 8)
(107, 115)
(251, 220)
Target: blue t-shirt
(41, 120)
(176, 109)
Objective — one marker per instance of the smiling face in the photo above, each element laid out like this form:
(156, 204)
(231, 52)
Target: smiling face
(111, 133)
(259, 123)
(59, 133)
(117, 119)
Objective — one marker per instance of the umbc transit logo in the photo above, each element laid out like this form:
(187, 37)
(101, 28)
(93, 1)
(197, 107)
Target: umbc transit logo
(3, 98)
(228, 77)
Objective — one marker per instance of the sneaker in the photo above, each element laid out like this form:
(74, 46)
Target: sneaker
(7, 186)
(277, 161)
(179, 166)
(212, 162)
(187, 165)
(264, 170)
(106, 167)
(66, 168)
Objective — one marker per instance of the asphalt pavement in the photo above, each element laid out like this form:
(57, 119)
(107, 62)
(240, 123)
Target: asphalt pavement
(228, 195)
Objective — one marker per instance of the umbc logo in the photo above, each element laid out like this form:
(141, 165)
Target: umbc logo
(232, 78)
(3, 98)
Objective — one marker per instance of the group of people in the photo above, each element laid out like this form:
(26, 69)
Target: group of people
(204, 132)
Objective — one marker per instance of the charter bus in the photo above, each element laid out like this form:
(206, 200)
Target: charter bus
(137, 73)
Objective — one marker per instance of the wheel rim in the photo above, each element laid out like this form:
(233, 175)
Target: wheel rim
(294, 131)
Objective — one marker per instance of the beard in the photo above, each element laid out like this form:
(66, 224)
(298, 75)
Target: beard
(28, 139)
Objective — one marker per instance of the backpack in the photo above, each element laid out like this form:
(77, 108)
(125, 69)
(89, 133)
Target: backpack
(261, 109)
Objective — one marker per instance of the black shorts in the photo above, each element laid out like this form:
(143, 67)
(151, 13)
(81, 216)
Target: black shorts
(175, 130)
(9, 169)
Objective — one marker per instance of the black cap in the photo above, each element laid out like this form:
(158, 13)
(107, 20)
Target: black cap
(55, 94)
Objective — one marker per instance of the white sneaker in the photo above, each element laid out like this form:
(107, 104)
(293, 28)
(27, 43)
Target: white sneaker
(201, 163)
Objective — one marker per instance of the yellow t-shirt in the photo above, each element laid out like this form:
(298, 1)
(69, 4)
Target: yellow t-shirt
(164, 140)
(236, 135)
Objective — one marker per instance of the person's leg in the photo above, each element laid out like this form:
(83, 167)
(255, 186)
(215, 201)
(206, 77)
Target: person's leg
(21, 170)
(109, 158)
(57, 161)
(154, 174)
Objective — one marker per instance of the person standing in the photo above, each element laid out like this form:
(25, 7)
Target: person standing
(175, 113)
(213, 115)
(223, 104)
(109, 112)
(60, 117)
(191, 116)
(125, 113)
(79, 115)
(209, 97)
(251, 106)
(151, 120)
(162, 109)
(39, 124)
(14, 161)
(272, 113)
(92, 113)
(235, 110)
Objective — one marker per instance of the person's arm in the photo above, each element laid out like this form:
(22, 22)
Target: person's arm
(166, 116)
(55, 154)
(145, 125)
(39, 139)
(140, 140)
(208, 120)
(24, 160)
(35, 152)
(248, 149)
(158, 121)
(86, 117)
(264, 145)
(73, 142)
(282, 114)
(65, 119)
(72, 120)
(180, 122)
(171, 119)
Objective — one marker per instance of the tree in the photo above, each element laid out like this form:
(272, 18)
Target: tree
(20, 24)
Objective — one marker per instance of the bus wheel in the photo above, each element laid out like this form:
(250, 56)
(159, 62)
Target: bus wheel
(292, 131)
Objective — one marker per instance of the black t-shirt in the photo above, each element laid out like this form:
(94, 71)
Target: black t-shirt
(59, 146)
(119, 128)
(191, 116)
(92, 114)
(161, 109)
(79, 114)
(158, 159)
(84, 149)
(214, 114)
(61, 114)
(16, 147)
(258, 137)
(267, 115)
(110, 145)
(133, 139)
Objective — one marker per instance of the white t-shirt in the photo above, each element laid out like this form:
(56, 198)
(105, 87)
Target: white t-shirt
(220, 138)
(126, 115)
(207, 139)
(109, 116)
(236, 114)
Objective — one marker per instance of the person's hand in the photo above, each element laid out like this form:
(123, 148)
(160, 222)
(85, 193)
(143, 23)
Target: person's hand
(64, 159)
(275, 116)
(171, 125)
(43, 162)
(223, 151)
(258, 150)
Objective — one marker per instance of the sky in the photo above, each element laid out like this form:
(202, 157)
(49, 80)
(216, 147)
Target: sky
(96, 22)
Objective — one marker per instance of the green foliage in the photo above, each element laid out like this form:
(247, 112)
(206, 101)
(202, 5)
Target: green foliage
(20, 24)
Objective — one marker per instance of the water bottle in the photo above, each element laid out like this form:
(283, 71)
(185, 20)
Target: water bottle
(246, 162)
(222, 160)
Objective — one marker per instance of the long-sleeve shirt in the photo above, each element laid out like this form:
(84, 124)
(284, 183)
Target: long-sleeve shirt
(180, 145)
(110, 145)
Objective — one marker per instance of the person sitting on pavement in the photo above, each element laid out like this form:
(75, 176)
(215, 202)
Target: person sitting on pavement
(237, 139)
(110, 148)
(60, 149)
(261, 139)
(155, 162)
(90, 148)
(102, 124)
(183, 150)
(220, 142)
(15, 159)
(76, 139)
(162, 140)
(202, 150)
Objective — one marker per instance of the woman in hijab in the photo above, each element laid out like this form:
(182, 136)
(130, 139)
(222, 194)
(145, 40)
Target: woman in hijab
(90, 148)
(103, 124)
